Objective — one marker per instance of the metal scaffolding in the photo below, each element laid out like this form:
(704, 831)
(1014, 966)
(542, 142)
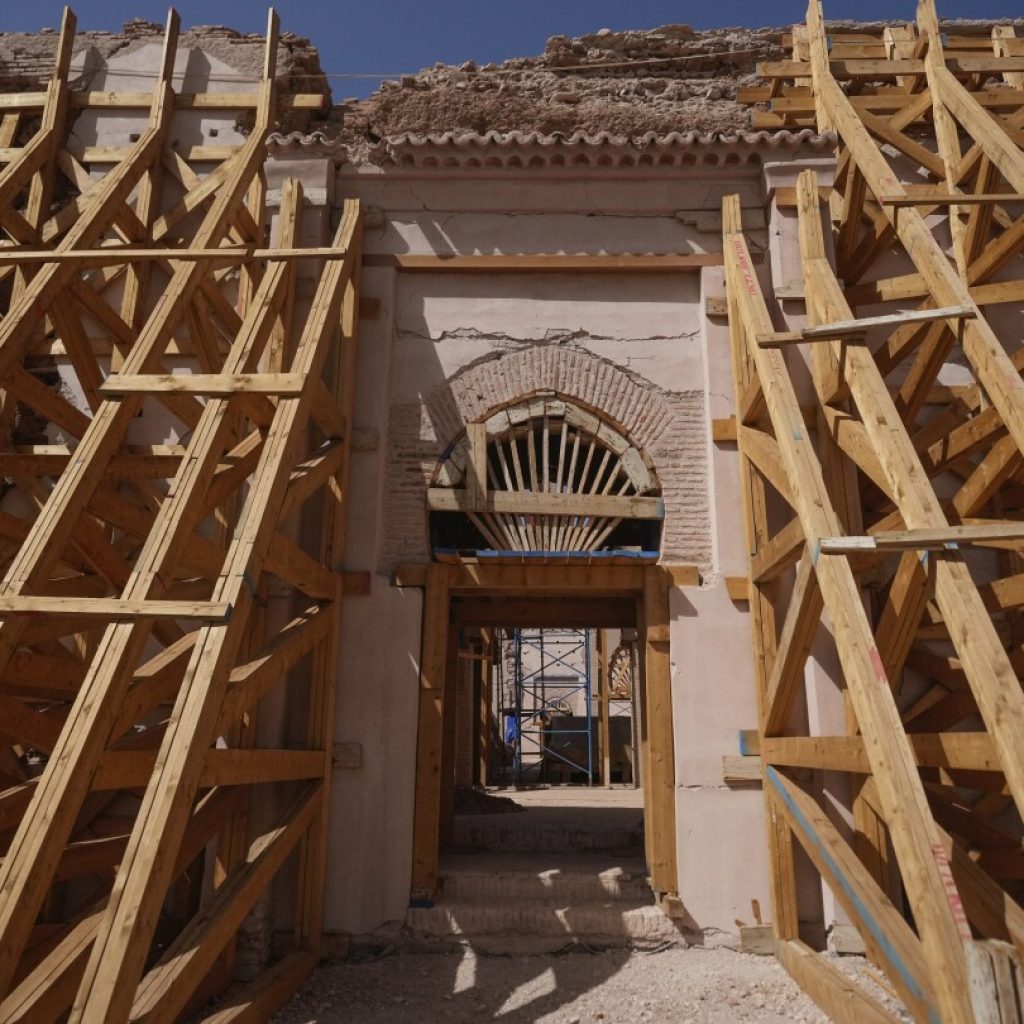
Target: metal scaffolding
(545, 694)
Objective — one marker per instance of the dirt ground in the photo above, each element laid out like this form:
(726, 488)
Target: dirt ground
(620, 986)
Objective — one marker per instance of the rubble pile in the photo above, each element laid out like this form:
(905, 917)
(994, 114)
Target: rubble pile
(624, 83)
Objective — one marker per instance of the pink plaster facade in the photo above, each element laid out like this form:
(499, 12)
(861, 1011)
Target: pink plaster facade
(440, 350)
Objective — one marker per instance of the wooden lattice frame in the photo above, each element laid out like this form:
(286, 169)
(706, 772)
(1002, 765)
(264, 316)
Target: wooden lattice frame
(136, 642)
(545, 474)
(889, 478)
(620, 673)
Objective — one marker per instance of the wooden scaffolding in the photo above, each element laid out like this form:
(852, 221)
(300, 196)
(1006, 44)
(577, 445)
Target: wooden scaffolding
(153, 595)
(881, 462)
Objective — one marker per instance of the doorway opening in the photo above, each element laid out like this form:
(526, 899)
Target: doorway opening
(537, 725)
(549, 696)
(545, 784)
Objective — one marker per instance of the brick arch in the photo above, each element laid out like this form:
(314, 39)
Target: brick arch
(669, 428)
(637, 409)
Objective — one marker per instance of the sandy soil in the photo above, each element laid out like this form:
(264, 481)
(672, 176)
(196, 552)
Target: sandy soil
(677, 985)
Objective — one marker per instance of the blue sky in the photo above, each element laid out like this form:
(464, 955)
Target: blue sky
(387, 36)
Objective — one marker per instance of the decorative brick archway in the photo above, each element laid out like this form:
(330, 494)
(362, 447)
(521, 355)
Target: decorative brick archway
(670, 428)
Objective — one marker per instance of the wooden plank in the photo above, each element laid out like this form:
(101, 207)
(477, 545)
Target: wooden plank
(179, 766)
(967, 751)
(433, 660)
(320, 726)
(833, 991)
(547, 612)
(889, 939)
(127, 100)
(763, 452)
(683, 575)
(257, 1001)
(877, 69)
(659, 784)
(569, 579)
(780, 553)
(845, 329)
(475, 494)
(115, 609)
(758, 940)
(724, 430)
(740, 768)
(951, 199)
(214, 384)
(450, 499)
(557, 263)
(603, 707)
(924, 538)
(750, 397)
(113, 255)
(798, 630)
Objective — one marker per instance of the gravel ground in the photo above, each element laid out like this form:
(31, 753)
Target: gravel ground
(678, 985)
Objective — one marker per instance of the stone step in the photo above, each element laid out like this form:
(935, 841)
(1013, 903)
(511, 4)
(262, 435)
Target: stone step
(494, 877)
(605, 923)
(507, 836)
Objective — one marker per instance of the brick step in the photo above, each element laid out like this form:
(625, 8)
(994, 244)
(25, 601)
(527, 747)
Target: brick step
(506, 836)
(604, 923)
(493, 877)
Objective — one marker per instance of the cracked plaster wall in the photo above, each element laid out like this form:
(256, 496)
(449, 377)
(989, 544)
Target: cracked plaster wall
(627, 345)
(441, 349)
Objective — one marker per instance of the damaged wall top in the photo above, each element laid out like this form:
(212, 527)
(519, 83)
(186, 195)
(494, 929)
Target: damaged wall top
(624, 84)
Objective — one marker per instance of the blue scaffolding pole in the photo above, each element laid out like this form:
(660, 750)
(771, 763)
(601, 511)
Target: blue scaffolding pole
(546, 693)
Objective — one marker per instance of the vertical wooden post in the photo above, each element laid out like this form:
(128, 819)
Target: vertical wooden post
(603, 699)
(476, 467)
(454, 668)
(763, 634)
(431, 719)
(659, 785)
(635, 723)
(484, 707)
(640, 701)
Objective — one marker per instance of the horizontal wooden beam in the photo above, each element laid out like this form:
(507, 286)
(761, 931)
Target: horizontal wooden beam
(951, 199)
(875, 69)
(923, 539)
(724, 430)
(847, 328)
(112, 255)
(111, 100)
(740, 769)
(557, 263)
(132, 769)
(636, 506)
(115, 609)
(964, 751)
(469, 577)
(844, 1001)
(212, 384)
(547, 612)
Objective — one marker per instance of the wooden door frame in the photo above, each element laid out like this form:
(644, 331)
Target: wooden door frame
(648, 586)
